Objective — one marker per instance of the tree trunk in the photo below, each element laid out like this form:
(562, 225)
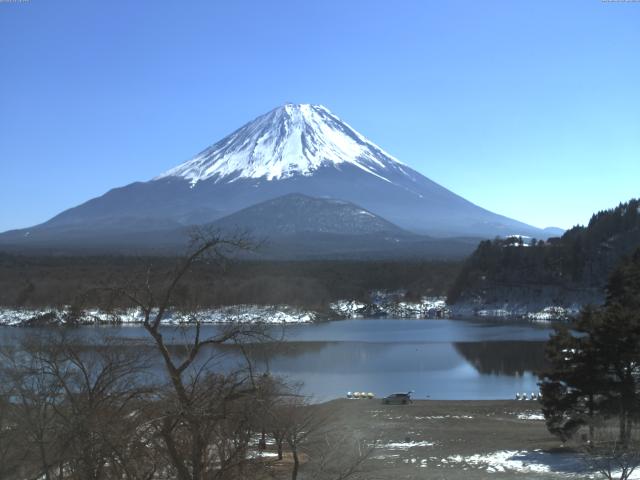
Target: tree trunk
(197, 450)
(263, 440)
(43, 458)
(279, 443)
(196, 464)
(183, 472)
(623, 427)
(296, 464)
(591, 408)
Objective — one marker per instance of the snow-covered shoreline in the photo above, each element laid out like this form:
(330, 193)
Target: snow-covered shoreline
(546, 314)
(382, 304)
(392, 304)
(275, 314)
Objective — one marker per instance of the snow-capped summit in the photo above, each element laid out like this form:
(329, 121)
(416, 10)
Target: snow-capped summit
(294, 139)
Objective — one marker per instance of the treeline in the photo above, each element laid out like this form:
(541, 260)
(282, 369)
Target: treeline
(29, 281)
(581, 259)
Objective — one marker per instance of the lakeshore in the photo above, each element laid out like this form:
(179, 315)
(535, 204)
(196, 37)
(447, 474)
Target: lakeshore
(450, 439)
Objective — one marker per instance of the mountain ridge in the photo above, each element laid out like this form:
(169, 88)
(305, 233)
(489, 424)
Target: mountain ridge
(292, 227)
(295, 213)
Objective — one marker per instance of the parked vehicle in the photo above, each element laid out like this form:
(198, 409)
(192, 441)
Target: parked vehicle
(397, 399)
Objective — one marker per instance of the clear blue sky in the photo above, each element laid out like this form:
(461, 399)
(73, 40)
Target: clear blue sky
(529, 108)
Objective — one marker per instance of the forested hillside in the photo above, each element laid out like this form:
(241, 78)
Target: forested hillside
(570, 270)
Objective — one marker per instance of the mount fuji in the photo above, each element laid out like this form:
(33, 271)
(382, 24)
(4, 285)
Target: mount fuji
(293, 149)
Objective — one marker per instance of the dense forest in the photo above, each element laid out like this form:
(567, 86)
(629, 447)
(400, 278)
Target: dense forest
(571, 269)
(29, 281)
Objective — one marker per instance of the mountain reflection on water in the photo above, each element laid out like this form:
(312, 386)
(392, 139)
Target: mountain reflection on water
(440, 370)
(504, 358)
(440, 359)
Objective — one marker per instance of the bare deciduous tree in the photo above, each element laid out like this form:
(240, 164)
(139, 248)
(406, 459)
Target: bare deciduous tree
(318, 450)
(340, 456)
(92, 410)
(204, 426)
(73, 407)
(613, 458)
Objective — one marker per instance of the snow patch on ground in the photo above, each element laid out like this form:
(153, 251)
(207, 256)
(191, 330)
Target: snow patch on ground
(552, 313)
(348, 308)
(445, 417)
(533, 464)
(530, 416)
(261, 454)
(404, 445)
(502, 461)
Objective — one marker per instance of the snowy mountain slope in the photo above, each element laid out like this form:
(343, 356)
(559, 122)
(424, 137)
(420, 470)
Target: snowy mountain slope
(291, 149)
(287, 141)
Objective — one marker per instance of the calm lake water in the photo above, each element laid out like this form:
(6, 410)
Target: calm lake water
(439, 359)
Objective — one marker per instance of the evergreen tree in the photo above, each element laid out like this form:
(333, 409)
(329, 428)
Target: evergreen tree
(570, 389)
(595, 371)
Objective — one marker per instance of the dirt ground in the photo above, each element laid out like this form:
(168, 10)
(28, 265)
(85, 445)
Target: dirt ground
(455, 439)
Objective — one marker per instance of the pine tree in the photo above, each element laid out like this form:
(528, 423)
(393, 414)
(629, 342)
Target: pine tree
(570, 389)
(595, 370)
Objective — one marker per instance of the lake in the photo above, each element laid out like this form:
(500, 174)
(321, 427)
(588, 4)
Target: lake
(438, 359)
